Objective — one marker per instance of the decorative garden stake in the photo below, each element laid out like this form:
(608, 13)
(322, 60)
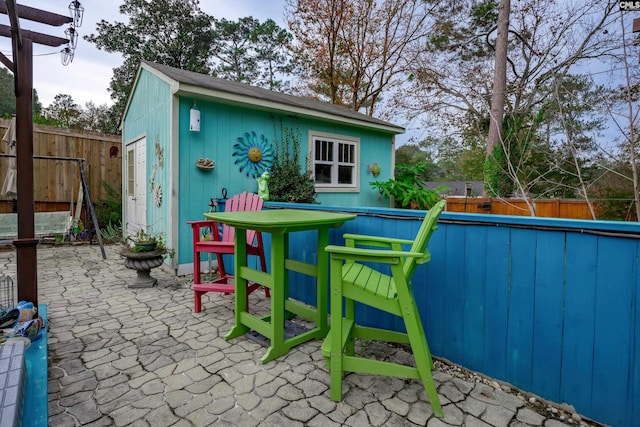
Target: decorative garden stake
(263, 189)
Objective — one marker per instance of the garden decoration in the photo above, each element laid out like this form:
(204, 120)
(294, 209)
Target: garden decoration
(159, 153)
(145, 241)
(21, 322)
(154, 185)
(263, 189)
(375, 169)
(142, 263)
(205, 164)
(147, 252)
(254, 155)
(157, 196)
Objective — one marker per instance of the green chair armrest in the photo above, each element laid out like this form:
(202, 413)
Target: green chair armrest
(361, 239)
(374, 255)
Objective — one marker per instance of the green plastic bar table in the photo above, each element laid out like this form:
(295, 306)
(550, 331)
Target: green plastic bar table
(279, 223)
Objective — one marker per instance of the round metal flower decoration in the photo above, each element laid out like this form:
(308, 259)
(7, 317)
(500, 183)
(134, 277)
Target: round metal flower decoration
(253, 154)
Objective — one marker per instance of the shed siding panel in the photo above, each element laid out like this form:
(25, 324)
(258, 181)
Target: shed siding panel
(149, 115)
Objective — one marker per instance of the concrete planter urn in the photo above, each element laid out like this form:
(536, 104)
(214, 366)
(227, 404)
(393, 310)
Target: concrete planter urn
(142, 263)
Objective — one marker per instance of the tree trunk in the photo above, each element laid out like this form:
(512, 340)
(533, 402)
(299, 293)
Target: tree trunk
(499, 80)
(632, 136)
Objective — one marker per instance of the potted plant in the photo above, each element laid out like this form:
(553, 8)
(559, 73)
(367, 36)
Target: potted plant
(144, 240)
(408, 189)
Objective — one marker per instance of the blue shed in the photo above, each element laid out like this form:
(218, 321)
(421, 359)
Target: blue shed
(176, 121)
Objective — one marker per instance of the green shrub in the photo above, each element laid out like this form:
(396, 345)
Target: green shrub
(289, 182)
(109, 209)
(111, 233)
(407, 190)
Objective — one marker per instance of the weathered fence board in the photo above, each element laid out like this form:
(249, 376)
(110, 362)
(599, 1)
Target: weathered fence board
(546, 208)
(580, 284)
(58, 181)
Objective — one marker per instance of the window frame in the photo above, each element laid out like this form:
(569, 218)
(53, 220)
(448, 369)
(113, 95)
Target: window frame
(131, 164)
(334, 186)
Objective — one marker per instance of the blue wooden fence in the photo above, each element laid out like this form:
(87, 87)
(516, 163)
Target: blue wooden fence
(548, 305)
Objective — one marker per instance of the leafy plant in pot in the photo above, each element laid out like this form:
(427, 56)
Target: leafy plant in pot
(146, 241)
(408, 189)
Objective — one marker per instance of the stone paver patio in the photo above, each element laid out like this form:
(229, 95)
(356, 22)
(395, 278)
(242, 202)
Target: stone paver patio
(141, 357)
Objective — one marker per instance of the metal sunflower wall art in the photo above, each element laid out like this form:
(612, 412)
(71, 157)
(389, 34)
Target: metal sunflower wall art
(253, 154)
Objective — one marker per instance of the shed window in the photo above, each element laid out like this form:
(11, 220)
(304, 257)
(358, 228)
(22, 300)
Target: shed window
(335, 162)
(131, 164)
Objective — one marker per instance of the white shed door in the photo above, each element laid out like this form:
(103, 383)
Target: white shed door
(136, 185)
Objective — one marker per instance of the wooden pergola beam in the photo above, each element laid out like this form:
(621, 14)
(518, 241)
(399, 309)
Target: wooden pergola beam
(6, 62)
(39, 38)
(16, 37)
(36, 15)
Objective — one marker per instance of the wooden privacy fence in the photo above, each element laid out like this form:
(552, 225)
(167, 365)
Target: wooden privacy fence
(549, 305)
(56, 182)
(548, 208)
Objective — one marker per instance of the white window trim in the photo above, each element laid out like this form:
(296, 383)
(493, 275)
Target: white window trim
(335, 188)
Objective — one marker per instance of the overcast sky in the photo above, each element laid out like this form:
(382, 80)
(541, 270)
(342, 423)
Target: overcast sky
(87, 77)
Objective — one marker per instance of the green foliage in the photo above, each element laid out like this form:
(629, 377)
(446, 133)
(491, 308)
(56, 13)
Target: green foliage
(613, 194)
(290, 182)
(112, 233)
(494, 179)
(109, 209)
(451, 85)
(170, 32)
(63, 111)
(484, 14)
(617, 205)
(98, 118)
(522, 157)
(8, 97)
(42, 120)
(252, 52)
(407, 190)
(412, 154)
(446, 159)
(469, 164)
(144, 237)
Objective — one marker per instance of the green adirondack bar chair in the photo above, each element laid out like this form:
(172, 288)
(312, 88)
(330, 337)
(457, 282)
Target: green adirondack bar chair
(353, 281)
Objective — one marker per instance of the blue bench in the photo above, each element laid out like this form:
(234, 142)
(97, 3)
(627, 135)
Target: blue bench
(35, 407)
